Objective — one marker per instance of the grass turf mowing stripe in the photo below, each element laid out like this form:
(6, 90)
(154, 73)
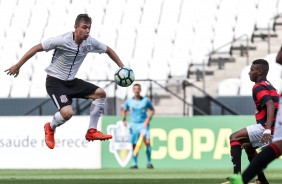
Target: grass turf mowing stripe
(107, 176)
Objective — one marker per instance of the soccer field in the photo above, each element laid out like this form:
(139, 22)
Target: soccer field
(164, 176)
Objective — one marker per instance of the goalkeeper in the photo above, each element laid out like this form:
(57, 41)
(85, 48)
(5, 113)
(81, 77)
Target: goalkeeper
(138, 106)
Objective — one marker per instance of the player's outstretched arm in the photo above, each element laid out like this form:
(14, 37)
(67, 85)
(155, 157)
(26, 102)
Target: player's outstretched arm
(15, 69)
(112, 54)
(279, 57)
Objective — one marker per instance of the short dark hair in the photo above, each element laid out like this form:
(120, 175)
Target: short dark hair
(263, 63)
(137, 84)
(83, 17)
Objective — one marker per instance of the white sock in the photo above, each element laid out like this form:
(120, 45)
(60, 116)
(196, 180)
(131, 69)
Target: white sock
(97, 108)
(58, 120)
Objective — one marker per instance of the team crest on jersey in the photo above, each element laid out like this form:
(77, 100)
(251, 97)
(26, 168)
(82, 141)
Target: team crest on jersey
(120, 145)
(85, 48)
(63, 98)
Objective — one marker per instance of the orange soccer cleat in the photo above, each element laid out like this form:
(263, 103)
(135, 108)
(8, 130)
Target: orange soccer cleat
(49, 136)
(93, 134)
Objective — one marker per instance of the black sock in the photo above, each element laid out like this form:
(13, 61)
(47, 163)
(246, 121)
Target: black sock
(261, 176)
(260, 162)
(236, 152)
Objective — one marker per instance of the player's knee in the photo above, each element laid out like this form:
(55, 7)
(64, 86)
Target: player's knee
(233, 137)
(100, 93)
(67, 114)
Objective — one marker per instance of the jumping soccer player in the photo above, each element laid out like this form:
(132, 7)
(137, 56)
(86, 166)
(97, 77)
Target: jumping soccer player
(70, 49)
(139, 121)
(266, 100)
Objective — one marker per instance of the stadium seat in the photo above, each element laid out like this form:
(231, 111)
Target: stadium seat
(20, 87)
(144, 43)
(140, 68)
(37, 85)
(98, 67)
(35, 30)
(245, 26)
(126, 37)
(188, 10)
(224, 25)
(163, 44)
(182, 45)
(74, 8)
(159, 70)
(151, 13)
(275, 71)
(170, 13)
(6, 84)
(113, 13)
(132, 13)
(107, 35)
(5, 12)
(246, 84)
(229, 87)
(265, 14)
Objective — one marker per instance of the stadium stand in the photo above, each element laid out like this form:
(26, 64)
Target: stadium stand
(159, 39)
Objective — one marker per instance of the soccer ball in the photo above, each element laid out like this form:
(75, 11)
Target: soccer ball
(124, 76)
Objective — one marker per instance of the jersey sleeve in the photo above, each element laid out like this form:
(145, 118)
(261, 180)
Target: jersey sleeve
(126, 105)
(52, 43)
(97, 47)
(149, 104)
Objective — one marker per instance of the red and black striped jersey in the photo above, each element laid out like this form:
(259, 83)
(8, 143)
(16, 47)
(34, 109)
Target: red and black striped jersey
(263, 92)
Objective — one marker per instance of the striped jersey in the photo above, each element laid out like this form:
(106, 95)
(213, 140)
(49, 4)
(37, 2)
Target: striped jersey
(68, 55)
(263, 92)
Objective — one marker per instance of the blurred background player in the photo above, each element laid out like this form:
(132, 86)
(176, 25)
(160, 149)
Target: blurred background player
(269, 153)
(266, 100)
(139, 121)
(70, 49)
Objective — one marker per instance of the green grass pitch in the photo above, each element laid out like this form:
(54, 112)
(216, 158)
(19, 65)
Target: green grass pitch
(112, 176)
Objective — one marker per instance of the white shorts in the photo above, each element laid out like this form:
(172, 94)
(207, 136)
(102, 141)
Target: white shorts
(277, 135)
(255, 133)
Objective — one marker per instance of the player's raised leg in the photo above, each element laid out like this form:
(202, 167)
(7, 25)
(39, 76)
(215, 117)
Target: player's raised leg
(96, 110)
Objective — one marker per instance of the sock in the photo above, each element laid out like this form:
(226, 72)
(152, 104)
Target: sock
(261, 176)
(134, 158)
(97, 108)
(260, 162)
(148, 152)
(57, 120)
(236, 152)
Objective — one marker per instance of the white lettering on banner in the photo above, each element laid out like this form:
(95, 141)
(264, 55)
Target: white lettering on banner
(22, 144)
(181, 143)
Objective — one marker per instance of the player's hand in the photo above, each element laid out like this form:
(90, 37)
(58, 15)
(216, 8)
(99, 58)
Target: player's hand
(266, 137)
(13, 70)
